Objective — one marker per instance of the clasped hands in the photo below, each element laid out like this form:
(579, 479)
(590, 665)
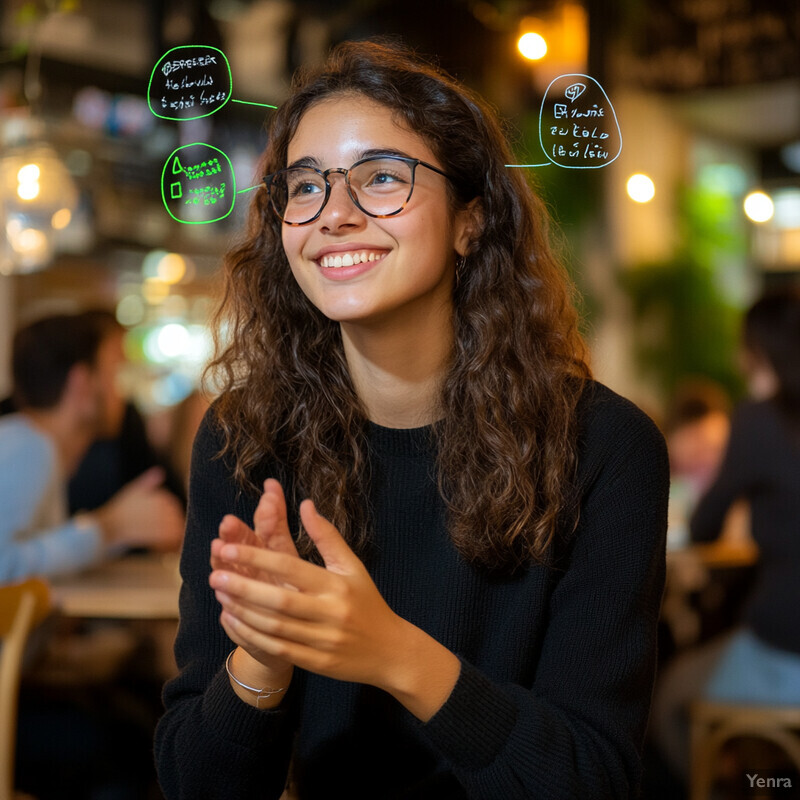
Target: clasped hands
(331, 620)
(286, 611)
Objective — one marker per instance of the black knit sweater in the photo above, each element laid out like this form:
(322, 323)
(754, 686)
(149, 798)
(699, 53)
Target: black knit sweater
(557, 663)
(762, 465)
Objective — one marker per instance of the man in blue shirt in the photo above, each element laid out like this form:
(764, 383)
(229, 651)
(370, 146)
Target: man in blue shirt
(64, 387)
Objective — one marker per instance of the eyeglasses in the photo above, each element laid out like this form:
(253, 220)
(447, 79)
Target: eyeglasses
(380, 186)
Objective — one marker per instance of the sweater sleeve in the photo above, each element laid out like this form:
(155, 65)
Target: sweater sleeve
(578, 730)
(733, 478)
(209, 744)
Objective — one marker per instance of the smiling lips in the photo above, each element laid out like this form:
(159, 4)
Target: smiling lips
(349, 259)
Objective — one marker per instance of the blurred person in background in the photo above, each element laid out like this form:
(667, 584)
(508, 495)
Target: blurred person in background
(122, 451)
(696, 429)
(64, 375)
(760, 661)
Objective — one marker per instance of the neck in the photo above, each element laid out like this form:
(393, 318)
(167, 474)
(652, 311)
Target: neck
(70, 437)
(397, 369)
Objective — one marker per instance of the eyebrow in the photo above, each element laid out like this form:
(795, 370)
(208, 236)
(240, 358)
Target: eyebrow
(312, 161)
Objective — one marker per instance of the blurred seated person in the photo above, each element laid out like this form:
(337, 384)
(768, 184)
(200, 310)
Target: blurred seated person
(759, 662)
(62, 378)
(122, 451)
(697, 428)
(698, 425)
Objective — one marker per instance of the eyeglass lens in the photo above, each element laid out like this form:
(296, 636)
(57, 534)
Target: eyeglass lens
(379, 186)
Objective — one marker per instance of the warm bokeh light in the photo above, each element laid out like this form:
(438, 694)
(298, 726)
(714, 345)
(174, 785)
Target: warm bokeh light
(30, 173)
(155, 291)
(29, 190)
(171, 268)
(28, 180)
(30, 242)
(532, 46)
(759, 207)
(641, 188)
(61, 219)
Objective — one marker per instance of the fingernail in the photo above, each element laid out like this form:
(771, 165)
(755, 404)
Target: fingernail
(229, 551)
(219, 579)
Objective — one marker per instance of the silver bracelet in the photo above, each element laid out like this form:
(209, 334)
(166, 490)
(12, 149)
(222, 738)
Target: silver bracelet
(261, 694)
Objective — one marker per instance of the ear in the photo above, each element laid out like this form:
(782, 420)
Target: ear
(468, 226)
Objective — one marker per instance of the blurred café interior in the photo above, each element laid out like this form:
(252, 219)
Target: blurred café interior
(668, 244)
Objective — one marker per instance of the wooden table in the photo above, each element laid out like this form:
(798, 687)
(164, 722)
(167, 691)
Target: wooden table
(132, 587)
(689, 574)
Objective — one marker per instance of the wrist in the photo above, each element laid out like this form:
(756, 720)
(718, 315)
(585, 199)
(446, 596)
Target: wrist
(100, 518)
(424, 677)
(257, 685)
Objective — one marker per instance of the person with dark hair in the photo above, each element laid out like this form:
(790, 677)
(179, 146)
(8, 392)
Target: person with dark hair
(760, 661)
(697, 429)
(62, 377)
(123, 450)
(436, 545)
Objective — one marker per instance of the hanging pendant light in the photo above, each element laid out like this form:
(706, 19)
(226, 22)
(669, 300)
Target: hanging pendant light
(37, 193)
(38, 198)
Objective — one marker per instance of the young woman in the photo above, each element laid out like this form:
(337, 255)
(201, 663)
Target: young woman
(452, 580)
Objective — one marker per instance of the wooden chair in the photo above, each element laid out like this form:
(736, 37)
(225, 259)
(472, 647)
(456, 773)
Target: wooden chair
(22, 607)
(714, 724)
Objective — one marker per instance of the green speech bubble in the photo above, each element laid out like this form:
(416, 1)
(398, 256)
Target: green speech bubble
(189, 78)
(197, 184)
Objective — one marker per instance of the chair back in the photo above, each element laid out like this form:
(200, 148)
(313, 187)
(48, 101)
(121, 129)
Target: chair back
(714, 724)
(22, 607)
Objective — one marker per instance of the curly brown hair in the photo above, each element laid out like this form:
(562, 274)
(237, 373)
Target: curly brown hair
(506, 441)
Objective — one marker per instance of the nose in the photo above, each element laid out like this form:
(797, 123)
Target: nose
(340, 210)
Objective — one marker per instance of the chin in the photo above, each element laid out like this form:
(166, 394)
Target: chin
(348, 312)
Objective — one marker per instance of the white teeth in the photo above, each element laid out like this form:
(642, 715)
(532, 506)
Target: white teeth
(349, 259)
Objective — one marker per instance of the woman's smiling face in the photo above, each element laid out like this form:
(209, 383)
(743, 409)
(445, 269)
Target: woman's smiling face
(400, 265)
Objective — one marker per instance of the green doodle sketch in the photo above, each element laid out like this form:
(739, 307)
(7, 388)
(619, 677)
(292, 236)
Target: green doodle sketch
(224, 96)
(207, 195)
(204, 47)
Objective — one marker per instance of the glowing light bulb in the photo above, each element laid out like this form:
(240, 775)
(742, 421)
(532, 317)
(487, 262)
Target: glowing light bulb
(533, 46)
(641, 188)
(759, 207)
